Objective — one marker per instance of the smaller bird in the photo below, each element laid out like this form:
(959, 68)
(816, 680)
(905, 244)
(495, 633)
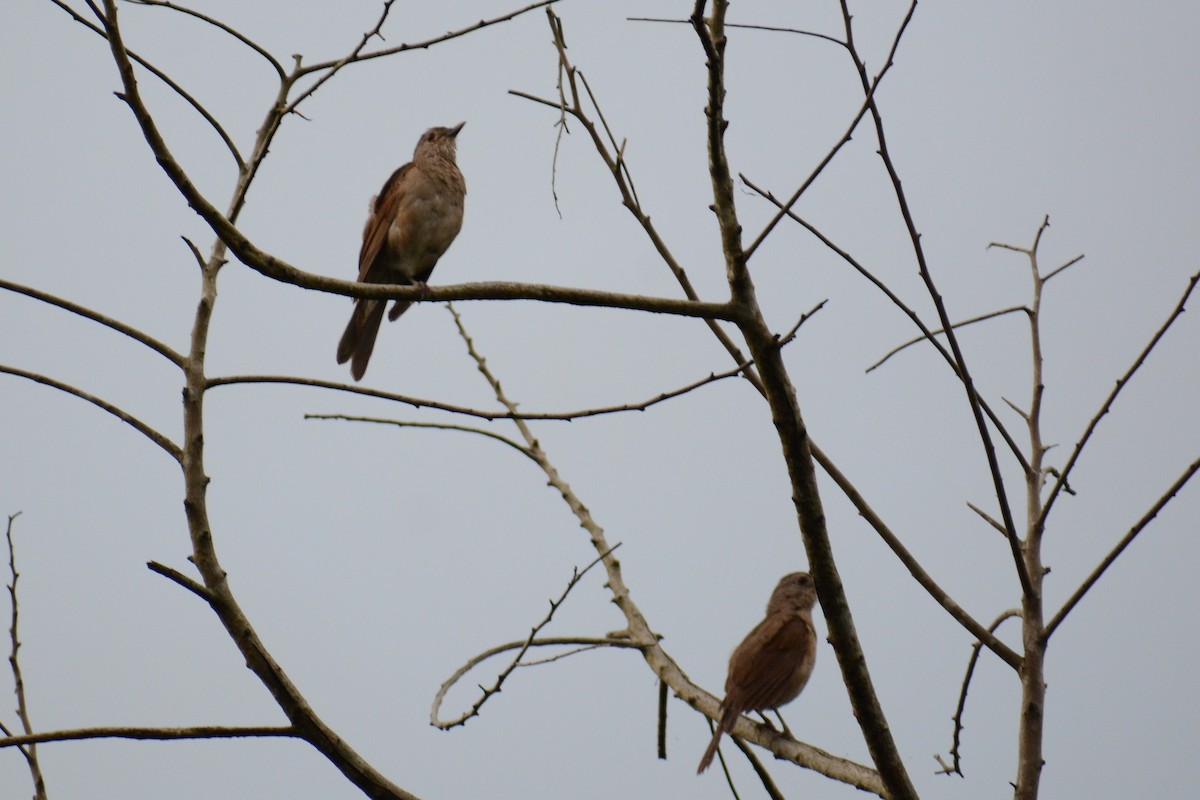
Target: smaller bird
(772, 664)
(413, 221)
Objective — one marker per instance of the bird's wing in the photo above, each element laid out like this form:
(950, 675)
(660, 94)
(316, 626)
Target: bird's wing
(383, 213)
(765, 675)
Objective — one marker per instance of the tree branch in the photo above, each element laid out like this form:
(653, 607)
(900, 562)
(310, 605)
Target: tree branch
(171, 449)
(1126, 540)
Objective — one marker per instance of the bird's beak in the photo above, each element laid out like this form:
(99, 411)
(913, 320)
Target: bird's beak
(454, 131)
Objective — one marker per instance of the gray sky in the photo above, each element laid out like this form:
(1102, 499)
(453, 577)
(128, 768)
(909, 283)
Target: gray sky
(375, 561)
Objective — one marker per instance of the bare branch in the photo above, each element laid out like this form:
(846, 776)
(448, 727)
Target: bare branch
(911, 314)
(522, 648)
(162, 76)
(963, 324)
(1126, 540)
(432, 425)
(663, 694)
(1057, 270)
(918, 249)
(855, 497)
(940, 595)
(352, 56)
(960, 711)
(160, 734)
(29, 751)
(866, 104)
(1112, 396)
(87, 313)
(764, 777)
(198, 589)
(159, 439)
(990, 520)
(219, 25)
(746, 26)
(417, 402)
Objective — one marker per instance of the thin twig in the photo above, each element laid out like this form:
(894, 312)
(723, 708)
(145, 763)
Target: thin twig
(159, 439)
(576, 576)
(989, 519)
(432, 425)
(219, 25)
(663, 695)
(619, 173)
(29, 751)
(960, 711)
(910, 562)
(425, 44)
(162, 76)
(900, 304)
(418, 402)
(198, 589)
(349, 58)
(1067, 265)
(1122, 382)
(748, 27)
(95, 316)
(1126, 540)
(867, 103)
(160, 734)
(962, 324)
(764, 777)
(973, 398)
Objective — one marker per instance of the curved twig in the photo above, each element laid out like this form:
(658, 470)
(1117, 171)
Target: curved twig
(29, 751)
(433, 425)
(425, 44)
(162, 76)
(956, 756)
(747, 27)
(159, 439)
(522, 648)
(479, 413)
(964, 323)
(107, 321)
(219, 25)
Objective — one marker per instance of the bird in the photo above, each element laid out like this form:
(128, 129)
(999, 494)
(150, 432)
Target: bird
(412, 222)
(772, 664)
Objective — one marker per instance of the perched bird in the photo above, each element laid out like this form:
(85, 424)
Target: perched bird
(772, 664)
(413, 220)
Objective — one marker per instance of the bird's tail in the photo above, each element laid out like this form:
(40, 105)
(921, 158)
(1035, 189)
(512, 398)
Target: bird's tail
(398, 308)
(728, 719)
(359, 339)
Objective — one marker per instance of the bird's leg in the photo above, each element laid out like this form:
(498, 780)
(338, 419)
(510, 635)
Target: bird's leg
(786, 732)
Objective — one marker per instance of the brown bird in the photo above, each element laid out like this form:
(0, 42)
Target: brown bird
(772, 664)
(413, 220)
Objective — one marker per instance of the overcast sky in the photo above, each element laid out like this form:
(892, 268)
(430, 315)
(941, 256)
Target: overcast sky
(374, 561)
